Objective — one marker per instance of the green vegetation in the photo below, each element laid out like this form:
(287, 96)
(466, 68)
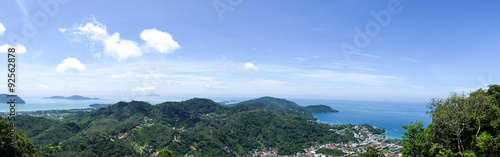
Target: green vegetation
(374, 129)
(319, 109)
(372, 152)
(46, 131)
(285, 106)
(99, 105)
(165, 153)
(21, 147)
(193, 127)
(461, 126)
(332, 152)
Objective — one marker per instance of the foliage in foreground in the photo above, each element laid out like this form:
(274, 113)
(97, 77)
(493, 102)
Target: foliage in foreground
(22, 146)
(461, 126)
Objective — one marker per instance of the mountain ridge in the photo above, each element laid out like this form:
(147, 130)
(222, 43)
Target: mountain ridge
(198, 123)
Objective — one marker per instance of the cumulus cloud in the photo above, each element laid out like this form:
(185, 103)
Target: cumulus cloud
(70, 65)
(150, 88)
(159, 41)
(251, 67)
(20, 49)
(119, 48)
(2, 29)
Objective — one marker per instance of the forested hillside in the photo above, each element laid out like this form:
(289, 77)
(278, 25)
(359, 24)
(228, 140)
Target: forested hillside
(286, 106)
(21, 147)
(193, 127)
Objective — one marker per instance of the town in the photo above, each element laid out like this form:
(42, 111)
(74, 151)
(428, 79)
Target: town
(365, 139)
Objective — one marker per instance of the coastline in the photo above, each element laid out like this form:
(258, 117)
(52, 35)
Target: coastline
(383, 135)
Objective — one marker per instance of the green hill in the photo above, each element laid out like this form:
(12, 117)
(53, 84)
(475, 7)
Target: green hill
(286, 106)
(194, 127)
(319, 109)
(21, 147)
(46, 131)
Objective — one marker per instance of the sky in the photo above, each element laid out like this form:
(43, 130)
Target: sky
(408, 50)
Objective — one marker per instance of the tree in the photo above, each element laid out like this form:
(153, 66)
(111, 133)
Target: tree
(485, 144)
(494, 92)
(462, 125)
(372, 152)
(165, 153)
(416, 140)
(21, 147)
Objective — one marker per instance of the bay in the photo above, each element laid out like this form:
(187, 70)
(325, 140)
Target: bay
(387, 115)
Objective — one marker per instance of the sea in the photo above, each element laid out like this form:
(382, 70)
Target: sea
(387, 115)
(390, 116)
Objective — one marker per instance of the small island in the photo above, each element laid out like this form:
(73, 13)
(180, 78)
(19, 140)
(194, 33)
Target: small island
(4, 98)
(74, 97)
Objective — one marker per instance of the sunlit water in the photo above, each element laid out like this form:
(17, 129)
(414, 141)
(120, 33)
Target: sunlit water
(387, 115)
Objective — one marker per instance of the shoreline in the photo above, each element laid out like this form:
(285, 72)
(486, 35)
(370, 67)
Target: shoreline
(379, 135)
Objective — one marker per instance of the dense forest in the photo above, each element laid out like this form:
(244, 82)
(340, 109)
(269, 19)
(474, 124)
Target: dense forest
(286, 106)
(197, 127)
(21, 147)
(462, 125)
(319, 109)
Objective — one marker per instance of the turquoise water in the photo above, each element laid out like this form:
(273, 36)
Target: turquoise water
(387, 115)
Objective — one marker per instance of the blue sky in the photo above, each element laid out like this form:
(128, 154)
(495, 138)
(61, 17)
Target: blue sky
(217, 48)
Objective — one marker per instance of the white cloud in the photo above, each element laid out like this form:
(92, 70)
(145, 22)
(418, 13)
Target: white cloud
(70, 65)
(251, 67)
(43, 86)
(351, 77)
(20, 49)
(150, 88)
(113, 46)
(159, 41)
(2, 29)
(62, 30)
(118, 48)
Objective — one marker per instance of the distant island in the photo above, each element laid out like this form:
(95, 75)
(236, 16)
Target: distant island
(227, 102)
(4, 98)
(74, 97)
